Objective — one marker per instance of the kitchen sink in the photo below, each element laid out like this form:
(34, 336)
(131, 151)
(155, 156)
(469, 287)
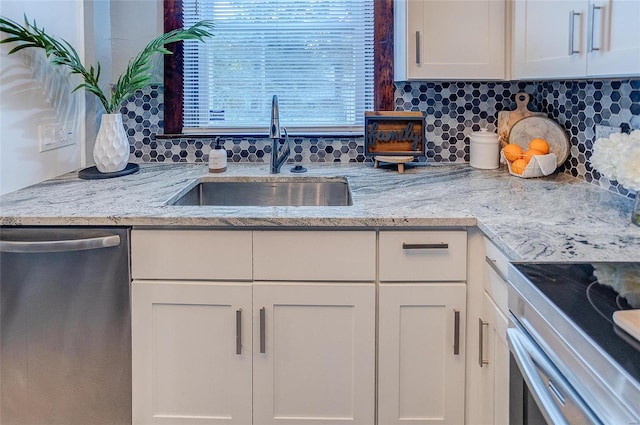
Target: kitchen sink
(268, 192)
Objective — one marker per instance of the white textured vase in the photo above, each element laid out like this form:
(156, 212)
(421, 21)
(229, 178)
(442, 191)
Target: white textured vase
(111, 151)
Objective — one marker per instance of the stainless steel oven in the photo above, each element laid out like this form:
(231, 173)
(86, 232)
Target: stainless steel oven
(569, 362)
(539, 391)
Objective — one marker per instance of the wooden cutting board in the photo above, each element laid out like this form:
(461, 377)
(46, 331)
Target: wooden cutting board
(629, 320)
(528, 128)
(506, 119)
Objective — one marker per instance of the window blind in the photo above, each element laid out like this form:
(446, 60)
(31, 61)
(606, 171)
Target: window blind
(315, 55)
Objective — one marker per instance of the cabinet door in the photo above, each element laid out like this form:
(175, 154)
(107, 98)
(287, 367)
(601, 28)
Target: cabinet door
(314, 351)
(421, 375)
(549, 39)
(432, 48)
(613, 40)
(187, 365)
(493, 358)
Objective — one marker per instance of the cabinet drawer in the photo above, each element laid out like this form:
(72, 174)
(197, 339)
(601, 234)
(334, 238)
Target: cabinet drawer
(423, 256)
(191, 254)
(314, 255)
(495, 279)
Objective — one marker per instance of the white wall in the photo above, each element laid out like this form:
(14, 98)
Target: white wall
(133, 25)
(32, 93)
(97, 16)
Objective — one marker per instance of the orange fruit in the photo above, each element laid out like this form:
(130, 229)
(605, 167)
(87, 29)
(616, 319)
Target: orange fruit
(529, 154)
(512, 152)
(540, 145)
(518, 166)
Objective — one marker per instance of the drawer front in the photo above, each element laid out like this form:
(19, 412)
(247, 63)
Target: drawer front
(314, 255)
(495, 276)
(191, 254)
(423, 256)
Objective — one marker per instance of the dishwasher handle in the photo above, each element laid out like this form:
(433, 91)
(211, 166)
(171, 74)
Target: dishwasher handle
(529, 357)
(66, 245)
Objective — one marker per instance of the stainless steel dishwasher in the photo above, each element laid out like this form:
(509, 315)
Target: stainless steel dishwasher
(65, 326)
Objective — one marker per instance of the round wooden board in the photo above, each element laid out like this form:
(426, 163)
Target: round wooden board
(538, 127)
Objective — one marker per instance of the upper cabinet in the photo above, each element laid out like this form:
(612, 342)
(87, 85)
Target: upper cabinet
(449, 40)
(562, 39)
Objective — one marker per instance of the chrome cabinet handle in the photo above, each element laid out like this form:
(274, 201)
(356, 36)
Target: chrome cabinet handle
(572, 35)
(481, 325)
(239, 331)
(30, 247)
(456, 332)
(418, 58)
(494, 266)
(263, 340)
(425, 245)
(593, 28)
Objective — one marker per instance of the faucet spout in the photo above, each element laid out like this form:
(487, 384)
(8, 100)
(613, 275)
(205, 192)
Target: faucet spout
(279, 154)
(274, 129)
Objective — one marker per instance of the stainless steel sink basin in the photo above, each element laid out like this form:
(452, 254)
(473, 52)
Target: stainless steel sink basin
(268, 192)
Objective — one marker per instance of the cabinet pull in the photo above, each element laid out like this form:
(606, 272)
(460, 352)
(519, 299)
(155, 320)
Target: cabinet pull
(262, 331)
(239, 331)
(494, 266)
(572, 35)
(456, 332)
(592, 48)
(481, 325)
(425, 245)
(418, 59)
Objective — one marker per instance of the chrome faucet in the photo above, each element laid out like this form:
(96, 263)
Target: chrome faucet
(278, 155)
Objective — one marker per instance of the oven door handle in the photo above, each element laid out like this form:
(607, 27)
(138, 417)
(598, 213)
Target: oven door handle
(528, 356)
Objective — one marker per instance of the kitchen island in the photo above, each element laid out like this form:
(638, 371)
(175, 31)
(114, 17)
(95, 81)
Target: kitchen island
(554, 218)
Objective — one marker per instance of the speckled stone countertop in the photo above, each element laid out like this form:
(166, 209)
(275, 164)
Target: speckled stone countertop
(555, 218)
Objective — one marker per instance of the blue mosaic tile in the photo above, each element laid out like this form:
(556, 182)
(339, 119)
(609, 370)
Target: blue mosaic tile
(453, 111)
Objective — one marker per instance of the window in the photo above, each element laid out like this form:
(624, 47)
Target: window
(173, 69)
(315, 55)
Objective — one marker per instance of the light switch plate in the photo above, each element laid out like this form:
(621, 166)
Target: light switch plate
(54, 136)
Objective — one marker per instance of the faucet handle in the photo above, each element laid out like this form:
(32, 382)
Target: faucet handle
(285, 148)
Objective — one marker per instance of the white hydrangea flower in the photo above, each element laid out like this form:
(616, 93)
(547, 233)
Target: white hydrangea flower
(607, 153)
(618, 158)
(629, 168)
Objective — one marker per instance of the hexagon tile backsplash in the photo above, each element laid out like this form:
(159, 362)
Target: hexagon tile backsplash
(453, 111)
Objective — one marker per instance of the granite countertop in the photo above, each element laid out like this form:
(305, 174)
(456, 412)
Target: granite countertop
(554, 218)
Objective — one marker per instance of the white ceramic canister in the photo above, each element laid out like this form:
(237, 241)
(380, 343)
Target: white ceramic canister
(484, 149)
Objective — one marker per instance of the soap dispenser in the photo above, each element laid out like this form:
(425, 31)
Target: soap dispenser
(218, 159)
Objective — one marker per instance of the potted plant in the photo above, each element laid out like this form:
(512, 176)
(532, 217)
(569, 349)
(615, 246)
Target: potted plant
(111, 151)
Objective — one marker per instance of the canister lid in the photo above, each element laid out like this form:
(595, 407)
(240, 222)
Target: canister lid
(483, 136)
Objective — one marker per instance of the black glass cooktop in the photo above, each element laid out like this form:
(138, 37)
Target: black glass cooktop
(589, 294)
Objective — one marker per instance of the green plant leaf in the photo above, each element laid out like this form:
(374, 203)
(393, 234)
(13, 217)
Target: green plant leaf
(136, 76)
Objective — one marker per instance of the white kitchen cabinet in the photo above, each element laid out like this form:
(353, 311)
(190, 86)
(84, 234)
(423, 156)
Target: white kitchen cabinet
(301, 255)
(429, 42)
(191, 254)
(191, 352)
(575, 38)
(314, 353)
(421, 327)
(487, 392)
(421, 363)
(314, 339)
(420, 256)
(258, 338)
(493, 359)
